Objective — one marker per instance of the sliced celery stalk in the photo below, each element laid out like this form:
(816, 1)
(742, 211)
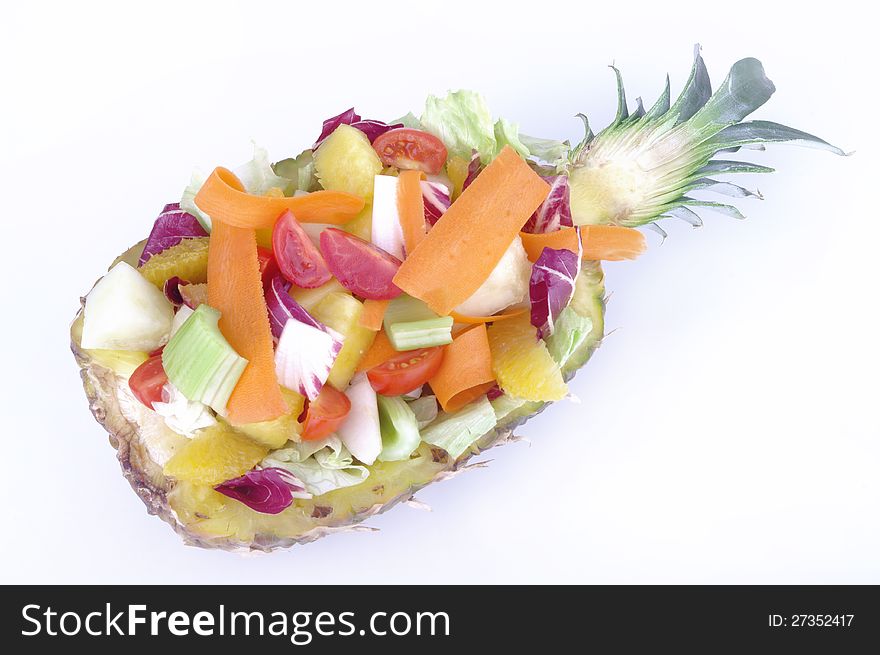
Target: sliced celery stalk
(420, 334)
(200, 362)
(406, 309)
(455, 432)
(399, 427)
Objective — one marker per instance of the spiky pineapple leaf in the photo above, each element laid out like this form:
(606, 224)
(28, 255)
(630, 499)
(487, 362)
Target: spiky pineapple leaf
(641, 167)
(724, 188)
(696, 93)
(758, 132)
(724, 167)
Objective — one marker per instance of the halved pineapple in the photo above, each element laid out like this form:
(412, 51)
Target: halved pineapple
(346, 161)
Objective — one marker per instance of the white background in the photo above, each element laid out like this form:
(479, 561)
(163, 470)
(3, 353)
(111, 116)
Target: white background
(728, 430)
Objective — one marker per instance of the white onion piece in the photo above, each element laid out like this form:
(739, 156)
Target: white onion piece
(386, 231)
(304, 357)
(360, 431)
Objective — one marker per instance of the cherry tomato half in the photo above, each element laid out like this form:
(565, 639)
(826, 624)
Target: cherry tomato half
(407, 371)
(268, 266)
(298, 258)
(325, 413)
(362, 268)
(411, 149)
(147, 381)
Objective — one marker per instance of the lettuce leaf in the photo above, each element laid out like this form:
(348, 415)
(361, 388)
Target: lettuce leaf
(570, 332)
(456, 432)
(322, 465)
(463, 122)
(299, 171)
(550, 151)
(258, 176)
(507, 134)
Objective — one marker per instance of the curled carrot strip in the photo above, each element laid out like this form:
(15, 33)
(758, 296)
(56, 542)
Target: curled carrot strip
(461, 318)
(466, 371)
(380, 352)
(462, 249)
(374, 312)
(611, 242)
(223, 198)
(563, 239)
(598, 242)
(411, 208)
(236, 289)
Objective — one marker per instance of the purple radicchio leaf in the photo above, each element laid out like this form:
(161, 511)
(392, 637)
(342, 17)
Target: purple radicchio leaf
(372, 128)
(436, 199)
(494, 392)
(555, 212)
(171, 227)
(172, 291)
(551, 287)
(474, 168)
(306, 348)
(268, 491)
(282, 308)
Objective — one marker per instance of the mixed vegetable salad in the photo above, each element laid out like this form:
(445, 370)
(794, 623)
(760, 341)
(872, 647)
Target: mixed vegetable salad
(302, 322)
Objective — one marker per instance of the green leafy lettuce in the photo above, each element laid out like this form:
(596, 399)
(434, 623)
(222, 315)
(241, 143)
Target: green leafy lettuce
(322, 465)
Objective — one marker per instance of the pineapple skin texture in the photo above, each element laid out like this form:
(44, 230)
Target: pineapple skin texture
(207, 519)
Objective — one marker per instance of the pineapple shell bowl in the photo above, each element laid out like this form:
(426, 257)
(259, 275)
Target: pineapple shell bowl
(205, 518)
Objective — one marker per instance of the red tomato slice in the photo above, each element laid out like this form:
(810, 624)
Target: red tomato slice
(147, 381)
(362, 268)
(298, 258)
(325, 413)
(406, 371)
(268, 266)
(411, 149)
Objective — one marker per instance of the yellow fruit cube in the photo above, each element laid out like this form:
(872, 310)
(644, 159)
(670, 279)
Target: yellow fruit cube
(346, 161)
(342, 312)
(188, 260)
(216, 454)
(275, 433)
(521, 362)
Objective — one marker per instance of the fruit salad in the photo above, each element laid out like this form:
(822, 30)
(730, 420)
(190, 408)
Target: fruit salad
(301, 343)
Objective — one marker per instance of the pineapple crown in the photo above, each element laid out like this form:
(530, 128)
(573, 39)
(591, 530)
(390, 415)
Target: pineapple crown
(665, 152)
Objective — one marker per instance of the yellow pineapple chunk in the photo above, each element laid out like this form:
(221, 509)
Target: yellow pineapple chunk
(362, 224)
(457, 170)
(346, 161)
(275, 433)
(216, 454)
(521, 362)
(188, 260)
(342, 312)
(309, 298)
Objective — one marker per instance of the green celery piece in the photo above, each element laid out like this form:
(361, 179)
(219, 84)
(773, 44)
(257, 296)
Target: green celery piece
(200, 362)
(410, 324)
(420, 334)
(399, 427)
(456, 432)
(405, 308)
